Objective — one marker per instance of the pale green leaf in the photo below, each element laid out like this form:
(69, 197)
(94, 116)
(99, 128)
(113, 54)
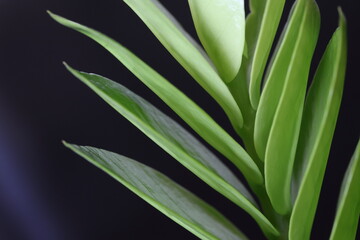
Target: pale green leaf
(188, 56)
(220, 25)
(279, 114)
(261, 25)
(176, 141)
(348, 209)
(317, 130)
(191, 113)
(165, 195)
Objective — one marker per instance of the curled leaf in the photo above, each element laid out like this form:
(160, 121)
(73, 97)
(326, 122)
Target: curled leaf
(220, 25)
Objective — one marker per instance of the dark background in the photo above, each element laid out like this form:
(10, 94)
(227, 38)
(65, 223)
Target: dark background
(46, 191)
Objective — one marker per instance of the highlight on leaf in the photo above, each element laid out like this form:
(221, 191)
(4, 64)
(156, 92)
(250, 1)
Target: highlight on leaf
(220, 25)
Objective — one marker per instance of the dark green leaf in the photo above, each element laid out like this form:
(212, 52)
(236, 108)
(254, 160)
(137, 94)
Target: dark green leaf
(165, 195)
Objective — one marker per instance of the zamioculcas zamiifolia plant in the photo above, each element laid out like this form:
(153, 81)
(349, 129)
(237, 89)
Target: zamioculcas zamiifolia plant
(286, 129)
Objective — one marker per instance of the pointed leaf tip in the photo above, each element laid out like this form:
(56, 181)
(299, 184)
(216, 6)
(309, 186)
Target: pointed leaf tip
(165, 195)
(178, 101)
(52, 15)
(175, 140)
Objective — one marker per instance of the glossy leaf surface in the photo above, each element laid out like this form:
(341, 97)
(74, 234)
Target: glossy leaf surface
(348, 209)
(279, 114)
(220, 25)
(191, 113)
(165, 195)
(317, 130)
(176, 141)
(188, 56)
(261, 24)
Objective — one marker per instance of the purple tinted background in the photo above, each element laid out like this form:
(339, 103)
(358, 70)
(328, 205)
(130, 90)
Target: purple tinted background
(47, 192)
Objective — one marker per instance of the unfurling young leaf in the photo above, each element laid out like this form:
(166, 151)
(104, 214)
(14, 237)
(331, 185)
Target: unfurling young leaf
(220, 25)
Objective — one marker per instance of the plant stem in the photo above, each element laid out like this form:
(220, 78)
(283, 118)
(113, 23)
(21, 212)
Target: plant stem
(281, 222)
(239, 90)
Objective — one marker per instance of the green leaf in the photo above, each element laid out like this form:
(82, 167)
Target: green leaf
(278, 119)
(191, 113)
(261, 26)
(165, 195)
(188, 56)
(317, 130)
(348, 209)
(220, 25)
(176, 141)
(252, 29)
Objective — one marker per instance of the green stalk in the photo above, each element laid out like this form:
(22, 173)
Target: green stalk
(241, 96)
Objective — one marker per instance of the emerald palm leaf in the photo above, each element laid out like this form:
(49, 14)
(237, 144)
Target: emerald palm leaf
(175, 140)
(278, 118)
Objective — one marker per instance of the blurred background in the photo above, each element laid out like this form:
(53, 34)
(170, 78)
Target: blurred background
(49, 193)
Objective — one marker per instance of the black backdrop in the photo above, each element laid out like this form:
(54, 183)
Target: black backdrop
(47, 192)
